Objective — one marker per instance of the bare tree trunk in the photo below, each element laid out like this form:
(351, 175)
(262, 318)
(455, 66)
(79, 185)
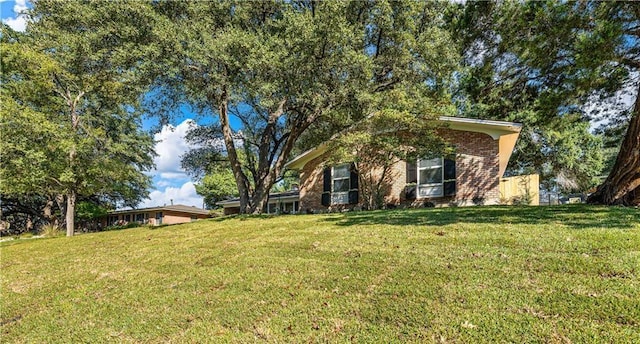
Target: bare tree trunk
(622, 186)
(71, 211)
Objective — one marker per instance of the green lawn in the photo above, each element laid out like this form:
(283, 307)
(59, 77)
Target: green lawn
(494, 274)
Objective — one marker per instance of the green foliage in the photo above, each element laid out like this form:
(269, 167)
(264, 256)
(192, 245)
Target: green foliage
(285, 68)
(70, 107)
(89, 211)
(520, 67)
(565, 154)
(466, 274)
(124, 226)
(216, 186)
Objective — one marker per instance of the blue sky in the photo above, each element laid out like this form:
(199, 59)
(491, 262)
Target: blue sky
(170, 182)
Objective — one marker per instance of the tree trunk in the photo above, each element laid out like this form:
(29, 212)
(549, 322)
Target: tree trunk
(71, 211)
(622, 186)
(63, 210)
(259, 200)
(47, 212)
(232, 154)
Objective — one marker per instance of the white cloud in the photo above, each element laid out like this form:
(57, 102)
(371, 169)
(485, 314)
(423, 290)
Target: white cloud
(162, 184)
(186, 195)
(170, 147)
(19, 22)
(171, 181)
(20, 6)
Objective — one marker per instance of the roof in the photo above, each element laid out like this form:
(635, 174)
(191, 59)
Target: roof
(177, 208)
(495, 129)
(287, 195)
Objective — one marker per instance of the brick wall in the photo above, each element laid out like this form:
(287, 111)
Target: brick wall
(477, 179)
(173, 217)
(477, 167)
(311, 185)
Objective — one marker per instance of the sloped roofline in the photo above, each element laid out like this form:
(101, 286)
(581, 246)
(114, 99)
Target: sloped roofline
(495, 129)
(178, 208)
(278, 196)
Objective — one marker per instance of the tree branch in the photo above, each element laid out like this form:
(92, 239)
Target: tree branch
(631, 62)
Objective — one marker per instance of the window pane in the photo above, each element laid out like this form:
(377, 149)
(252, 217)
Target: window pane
(341, 171)
(431, 176)
(430, 162)
(430, 191)
(340, 198)
(341, 185)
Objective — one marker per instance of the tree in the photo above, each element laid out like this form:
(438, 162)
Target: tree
(540, 62)
(217, 186)
(281, 68)
(84, 94)
(377, 143)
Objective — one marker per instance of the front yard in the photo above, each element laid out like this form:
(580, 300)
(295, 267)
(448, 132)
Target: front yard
(492, 274)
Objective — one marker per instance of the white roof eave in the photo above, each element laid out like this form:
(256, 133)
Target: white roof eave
(495, 129)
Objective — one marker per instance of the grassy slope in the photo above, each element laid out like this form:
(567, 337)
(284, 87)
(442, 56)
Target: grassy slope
(461, 274)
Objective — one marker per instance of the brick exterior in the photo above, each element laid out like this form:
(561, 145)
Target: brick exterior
(311, 185)
(168, 217)
(477, 175)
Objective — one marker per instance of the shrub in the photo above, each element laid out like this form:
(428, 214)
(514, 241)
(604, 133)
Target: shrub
(122, 226)
(50, 231)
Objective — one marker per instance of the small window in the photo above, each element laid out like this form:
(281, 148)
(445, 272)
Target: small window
(127, 218)
(340, 184)
(194, 218)
(140, 218)
(430, 176)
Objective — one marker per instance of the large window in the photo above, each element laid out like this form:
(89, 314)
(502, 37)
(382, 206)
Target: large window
(340, 184)
(283, 208)
(430, 177)
(113, 219)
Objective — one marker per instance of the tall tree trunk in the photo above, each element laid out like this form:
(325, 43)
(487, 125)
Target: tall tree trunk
(241, 179)
(71, 211)
(622, 186)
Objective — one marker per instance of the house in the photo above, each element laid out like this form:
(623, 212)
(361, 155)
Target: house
(171, 214)
(279, 203)
(475, 175)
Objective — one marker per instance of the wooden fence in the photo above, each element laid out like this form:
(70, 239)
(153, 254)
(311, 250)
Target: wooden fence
(520, 190)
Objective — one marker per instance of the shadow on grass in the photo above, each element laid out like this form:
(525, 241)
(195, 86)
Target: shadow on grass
(574, 216)
(242, 217)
